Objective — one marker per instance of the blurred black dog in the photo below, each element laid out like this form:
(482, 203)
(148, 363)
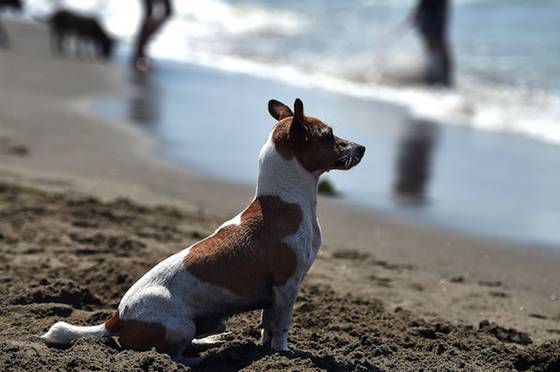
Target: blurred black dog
(14, 5)
(87, 31)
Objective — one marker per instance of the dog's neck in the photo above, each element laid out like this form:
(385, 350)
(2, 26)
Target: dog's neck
(286, 179)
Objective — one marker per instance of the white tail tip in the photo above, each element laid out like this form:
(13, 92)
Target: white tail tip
(62, 333)
(59, 334)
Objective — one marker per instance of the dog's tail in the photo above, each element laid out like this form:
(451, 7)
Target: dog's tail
(62, 333)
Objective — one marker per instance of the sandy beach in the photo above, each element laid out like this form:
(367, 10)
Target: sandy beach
(87, 208)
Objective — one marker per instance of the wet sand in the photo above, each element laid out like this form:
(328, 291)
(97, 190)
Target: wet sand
(382, 294)
(446, 175)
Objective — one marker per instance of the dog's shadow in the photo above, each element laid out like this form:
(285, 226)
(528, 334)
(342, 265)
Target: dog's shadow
(238, 356)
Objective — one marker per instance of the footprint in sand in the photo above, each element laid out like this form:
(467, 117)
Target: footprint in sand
(7, 147)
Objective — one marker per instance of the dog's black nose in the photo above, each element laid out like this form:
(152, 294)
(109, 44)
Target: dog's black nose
(361, 150)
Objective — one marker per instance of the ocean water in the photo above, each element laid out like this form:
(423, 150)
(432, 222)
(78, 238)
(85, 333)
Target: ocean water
(483, 158)
(506, 52)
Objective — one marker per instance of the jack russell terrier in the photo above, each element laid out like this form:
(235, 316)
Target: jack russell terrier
(257, 260)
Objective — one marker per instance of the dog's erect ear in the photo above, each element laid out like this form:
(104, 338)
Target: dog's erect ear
(298, 129)
(298, 112)
(278, 110)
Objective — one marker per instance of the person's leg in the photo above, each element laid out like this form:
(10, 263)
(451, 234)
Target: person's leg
(143, 32)
(156, 22)
(150, 26)
(168, 11)
(446, 68)
(439, 65)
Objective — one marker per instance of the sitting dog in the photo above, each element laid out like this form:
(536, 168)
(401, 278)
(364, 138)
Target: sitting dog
(87, 32)
(14, 5)
(257, 260)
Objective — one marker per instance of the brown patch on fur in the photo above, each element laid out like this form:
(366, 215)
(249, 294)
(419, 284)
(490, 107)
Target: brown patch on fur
(113, 324)
(248, 259)
(316, 148)
(282, 140)
(138, 335)
(141, 336)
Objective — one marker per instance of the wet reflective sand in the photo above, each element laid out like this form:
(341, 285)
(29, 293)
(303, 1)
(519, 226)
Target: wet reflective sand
(481, 182)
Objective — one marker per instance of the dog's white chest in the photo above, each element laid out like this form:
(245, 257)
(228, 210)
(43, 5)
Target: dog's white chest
(307, 243)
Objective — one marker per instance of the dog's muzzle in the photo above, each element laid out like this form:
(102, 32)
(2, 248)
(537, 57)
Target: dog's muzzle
(351, 156)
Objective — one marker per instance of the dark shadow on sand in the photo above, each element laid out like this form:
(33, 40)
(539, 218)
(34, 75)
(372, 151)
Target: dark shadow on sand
(239, 356)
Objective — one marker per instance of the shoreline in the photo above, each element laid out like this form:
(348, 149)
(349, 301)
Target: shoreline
(432, 272)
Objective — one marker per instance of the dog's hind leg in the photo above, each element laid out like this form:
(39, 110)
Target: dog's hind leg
(81, 47)
(4, 38)
(178, 333)
(202, 344)
(209, 326)
(188, 361)
(210, 332)
(183, 336)
(57, 42)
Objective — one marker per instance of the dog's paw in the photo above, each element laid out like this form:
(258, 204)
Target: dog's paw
(266, 336)
(187, 361)
(277, 344)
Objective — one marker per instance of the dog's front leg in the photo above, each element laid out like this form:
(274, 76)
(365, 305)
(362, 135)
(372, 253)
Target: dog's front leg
(281, 316)
(266, 324)
(4, 39)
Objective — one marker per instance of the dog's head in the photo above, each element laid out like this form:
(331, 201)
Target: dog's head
(311, 141)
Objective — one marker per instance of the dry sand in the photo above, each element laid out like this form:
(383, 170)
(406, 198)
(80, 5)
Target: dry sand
(69, 256)
(66, 255)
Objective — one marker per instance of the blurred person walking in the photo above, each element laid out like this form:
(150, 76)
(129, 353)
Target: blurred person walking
(156, 13)
(430, 19)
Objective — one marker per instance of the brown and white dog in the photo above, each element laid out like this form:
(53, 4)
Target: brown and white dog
(257, 260)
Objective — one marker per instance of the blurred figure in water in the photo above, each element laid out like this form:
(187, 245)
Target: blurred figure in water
(144, 102)
(156, 12)
(414, 163)
(430, 19)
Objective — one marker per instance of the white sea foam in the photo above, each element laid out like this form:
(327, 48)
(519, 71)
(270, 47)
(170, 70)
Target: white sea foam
(472, 105)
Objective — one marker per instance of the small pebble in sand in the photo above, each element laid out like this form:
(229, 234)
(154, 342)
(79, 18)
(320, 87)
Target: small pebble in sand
(457, 279)
(538, 316)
